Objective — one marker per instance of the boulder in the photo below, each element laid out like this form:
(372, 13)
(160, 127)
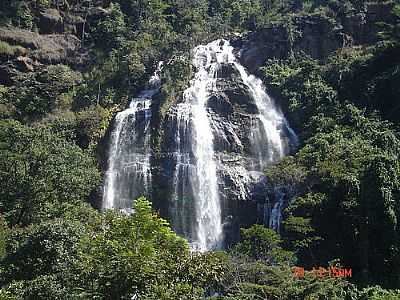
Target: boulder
(73, 24)
(7, 72)
(50, 21)
(49, 48)
(257, 47)
(24, 64)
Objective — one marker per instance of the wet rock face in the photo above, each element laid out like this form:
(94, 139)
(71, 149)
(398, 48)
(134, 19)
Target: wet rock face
(232, 131)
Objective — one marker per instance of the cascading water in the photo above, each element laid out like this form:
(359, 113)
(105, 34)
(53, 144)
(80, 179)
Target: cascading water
(271, 136)
(195, 179)
(181, 204)
(204, 183)
(276, 212)
(214, 140)
(268, 136)
(128, 175)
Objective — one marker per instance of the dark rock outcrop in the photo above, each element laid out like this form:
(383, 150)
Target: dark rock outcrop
(50, 21)
(319, 36)
(261, 45)
(315, 35)
(47, 49)
(74, 24)
(7, 73)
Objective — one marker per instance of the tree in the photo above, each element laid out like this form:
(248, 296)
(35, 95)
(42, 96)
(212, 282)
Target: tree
(262, 243)
(39, 93)
(44, 249)
(131, 255)
(40, 172)
(110, 32)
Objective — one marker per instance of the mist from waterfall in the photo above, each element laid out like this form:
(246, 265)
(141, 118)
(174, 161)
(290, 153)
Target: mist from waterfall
(129, 175)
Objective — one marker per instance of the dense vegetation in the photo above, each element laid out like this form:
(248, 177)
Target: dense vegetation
(346, 172)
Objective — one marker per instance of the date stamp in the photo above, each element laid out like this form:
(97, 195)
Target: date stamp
(321, 272)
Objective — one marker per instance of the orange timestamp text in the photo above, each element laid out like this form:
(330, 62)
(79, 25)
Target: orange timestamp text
(322, 272)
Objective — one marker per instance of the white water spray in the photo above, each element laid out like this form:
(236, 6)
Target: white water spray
(270, 136)
(208, 232)
(129, 175)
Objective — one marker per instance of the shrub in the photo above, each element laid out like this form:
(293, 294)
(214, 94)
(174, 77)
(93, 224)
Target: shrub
(7, 50)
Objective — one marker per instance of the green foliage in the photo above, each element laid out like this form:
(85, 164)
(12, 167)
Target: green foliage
(377, 293)
(301, 84)
(176, 75)
(249, 279)
(6, 295)
(3, 236)
(131, 254)
(110, 31)
(41, 258)
(347, 171)
(42, 287)
(262, 243)
(345, 176)
(303, 230)
(92, 124)
(140, 255)
(45, 249)
(24, 15)
(7, 110)
(37, 94)
(287, 173)
(372, 80)
(40, 172)
(9, 51)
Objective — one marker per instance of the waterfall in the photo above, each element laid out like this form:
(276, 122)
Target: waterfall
(182, 204)
(128, 176)
(215, 148)
(275, 216)
(268, 133)
(271, 137)
(208, 224)
(196, 206)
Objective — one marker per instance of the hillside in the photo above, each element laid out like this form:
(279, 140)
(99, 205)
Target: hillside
(264, 134)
